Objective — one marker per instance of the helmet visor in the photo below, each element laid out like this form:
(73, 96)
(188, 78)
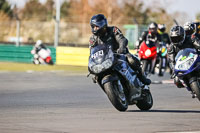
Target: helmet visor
(177, 39)
(162, 29)
(153, 30)
(99, 24)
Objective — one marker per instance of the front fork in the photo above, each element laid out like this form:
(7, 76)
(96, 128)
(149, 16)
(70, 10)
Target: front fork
(163, 62)
(153, 64)
(187, 81)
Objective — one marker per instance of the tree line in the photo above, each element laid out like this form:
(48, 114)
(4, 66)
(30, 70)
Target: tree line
(75, 16)
(80, 11)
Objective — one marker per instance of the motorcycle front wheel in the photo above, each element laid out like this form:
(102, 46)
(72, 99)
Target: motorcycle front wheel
(161, 66)
(196, 88)
(146, 67)
(51, 62)
(115, 93)
(147, 101)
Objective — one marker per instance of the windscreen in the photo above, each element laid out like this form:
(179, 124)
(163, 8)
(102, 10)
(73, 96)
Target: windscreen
(185, 53)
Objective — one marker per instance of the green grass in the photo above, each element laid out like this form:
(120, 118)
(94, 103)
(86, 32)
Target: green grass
(20, 67)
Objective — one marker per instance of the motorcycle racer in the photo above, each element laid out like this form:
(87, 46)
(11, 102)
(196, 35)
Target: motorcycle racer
(111, 35)
(151, 34)
(41, 54)
(179, 41)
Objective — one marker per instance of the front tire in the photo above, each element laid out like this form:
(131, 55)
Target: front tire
(145, 67)
(196, 88)
(115, 95)
(51, 62)
(147, 102)
(161, 67)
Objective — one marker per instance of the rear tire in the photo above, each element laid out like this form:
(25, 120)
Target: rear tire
(195, 86)
(147, 102)
(117, 98)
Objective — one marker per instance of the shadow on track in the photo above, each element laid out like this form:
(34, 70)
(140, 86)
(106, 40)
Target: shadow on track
(167, 111)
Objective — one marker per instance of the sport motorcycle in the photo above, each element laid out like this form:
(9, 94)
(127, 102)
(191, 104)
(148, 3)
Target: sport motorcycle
(120, 83)
(187, 70)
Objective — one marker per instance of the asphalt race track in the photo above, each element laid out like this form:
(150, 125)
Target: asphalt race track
(56, 102)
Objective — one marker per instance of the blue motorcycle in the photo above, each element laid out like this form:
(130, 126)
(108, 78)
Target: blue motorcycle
(187, 69)
(113, 74)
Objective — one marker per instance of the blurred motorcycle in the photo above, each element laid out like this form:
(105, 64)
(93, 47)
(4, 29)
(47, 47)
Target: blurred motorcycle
(42, 57)
(147, 54)
(161, 59)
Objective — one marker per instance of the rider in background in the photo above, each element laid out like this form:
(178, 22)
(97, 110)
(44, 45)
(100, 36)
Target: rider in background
(41, 54)
(38, 46)
(189, 28)
(192, 28)
(179, 41)
(164, 38)
(197, 29)
(163, 34)
(111, 35)
(151, 34)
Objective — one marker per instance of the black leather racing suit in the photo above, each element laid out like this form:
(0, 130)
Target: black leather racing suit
(189, 42)
(165, 38)
(145, 35)
(116, 39)
(113, 37)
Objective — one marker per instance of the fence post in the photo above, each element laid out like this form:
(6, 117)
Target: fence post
(57, 21)
(18, 33)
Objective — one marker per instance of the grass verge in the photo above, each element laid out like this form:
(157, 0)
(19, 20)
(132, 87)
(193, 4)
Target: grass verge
(20, 67)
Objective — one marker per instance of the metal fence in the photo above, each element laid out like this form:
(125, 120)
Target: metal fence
(12, 53)
(70, 33)
(133, 32)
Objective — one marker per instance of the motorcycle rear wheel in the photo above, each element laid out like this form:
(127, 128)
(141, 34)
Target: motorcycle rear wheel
(147, 102)
(117, 98)
(196, 88)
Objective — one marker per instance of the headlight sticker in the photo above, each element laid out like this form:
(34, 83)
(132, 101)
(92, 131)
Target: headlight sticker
(183, 58)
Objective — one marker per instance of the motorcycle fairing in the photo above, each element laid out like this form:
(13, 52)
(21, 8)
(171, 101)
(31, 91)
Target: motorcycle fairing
(101, 58)
(183, 57)
(129, 75)
(147, 51)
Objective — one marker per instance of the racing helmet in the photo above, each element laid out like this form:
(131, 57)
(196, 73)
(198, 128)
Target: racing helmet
(161, 28)
(189, 28)
(98, 24)
(153, 28)
(38, 43)
(177, 35)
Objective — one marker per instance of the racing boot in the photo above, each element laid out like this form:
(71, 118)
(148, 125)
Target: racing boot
(135, 65)
(143, 78)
